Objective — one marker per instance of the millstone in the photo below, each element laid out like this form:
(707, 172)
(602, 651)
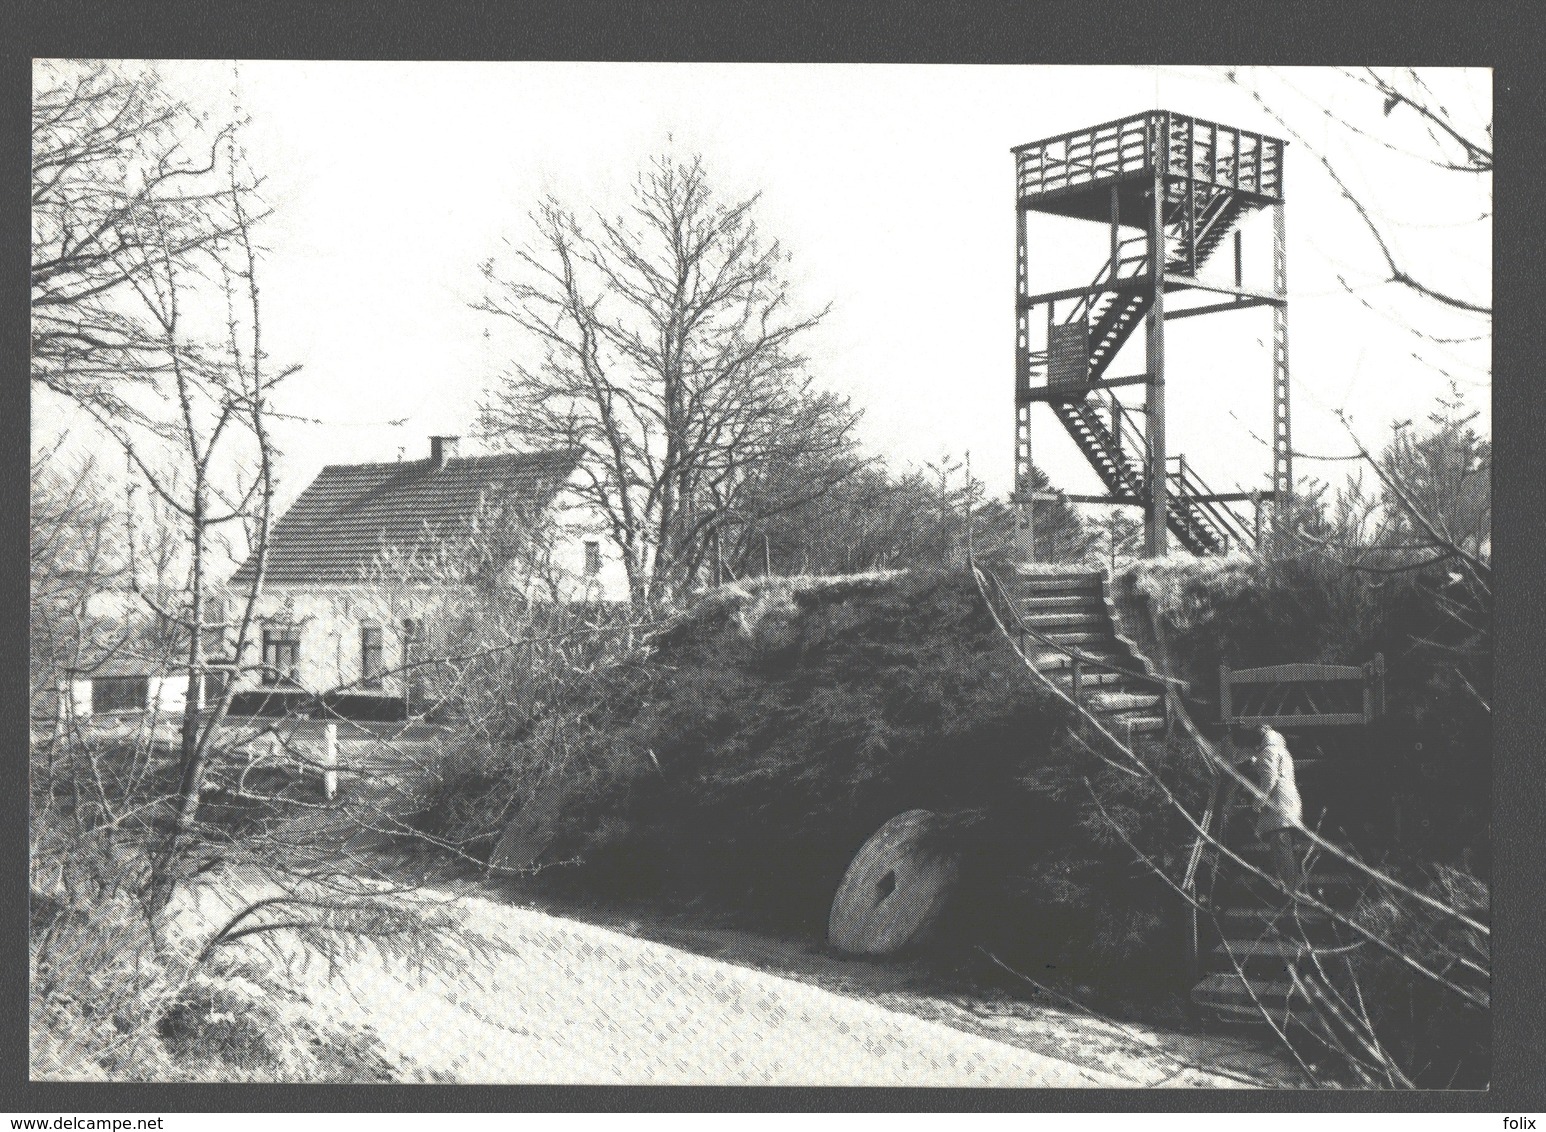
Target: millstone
(894, 890)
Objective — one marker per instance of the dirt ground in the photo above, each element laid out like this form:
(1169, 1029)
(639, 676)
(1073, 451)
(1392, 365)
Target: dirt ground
(577, 995)
(652, 1000)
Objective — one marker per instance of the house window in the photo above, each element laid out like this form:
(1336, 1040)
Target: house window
(214, 618)
(371, 666)
(120, 693)
(592, 558)
(281, 655)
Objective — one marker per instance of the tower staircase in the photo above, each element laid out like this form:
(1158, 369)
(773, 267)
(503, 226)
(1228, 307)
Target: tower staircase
(1101, 323)
(1119, 455)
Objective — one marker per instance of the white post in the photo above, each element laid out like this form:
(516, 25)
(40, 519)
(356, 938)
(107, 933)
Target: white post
(330, 761)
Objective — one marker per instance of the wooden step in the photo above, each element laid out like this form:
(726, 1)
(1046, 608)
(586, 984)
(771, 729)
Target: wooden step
(1237, 921)
(1037, 604)
(1067, 621)
(1110, 684)
(1053, 573)
(1077, 637)
(1248, 891)
(1037, 585)
(1285, 927)
(1245, 950)
(1297, 1014)
(1106, 682)
(1226, 990)
(1052, 662)
(1124, 701)
(1253, 851)
(1119, 725)
(1330, 877)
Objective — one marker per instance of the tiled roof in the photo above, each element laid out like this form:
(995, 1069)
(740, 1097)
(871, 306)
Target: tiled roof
(351, 512)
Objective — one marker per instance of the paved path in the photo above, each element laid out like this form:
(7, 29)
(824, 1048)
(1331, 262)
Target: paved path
(574, 1003)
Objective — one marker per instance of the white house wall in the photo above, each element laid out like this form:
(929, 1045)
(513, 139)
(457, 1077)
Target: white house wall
(165, 694)
(328, 621)
(80, 698)
(169, 694)
(576, 522)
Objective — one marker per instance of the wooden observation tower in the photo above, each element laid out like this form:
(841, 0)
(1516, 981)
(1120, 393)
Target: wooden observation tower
(1170, 190)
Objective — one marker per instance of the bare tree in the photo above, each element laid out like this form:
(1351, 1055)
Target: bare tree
(668, 358)
(77, 550)
(1430, 503)
(126, 183)
(235, 394)
(1448, 139)
(1438, 483)
(143, 233)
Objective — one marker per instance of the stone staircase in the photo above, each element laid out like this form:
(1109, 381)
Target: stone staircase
(1263, 936)
(1255, 939)
(1073, 609)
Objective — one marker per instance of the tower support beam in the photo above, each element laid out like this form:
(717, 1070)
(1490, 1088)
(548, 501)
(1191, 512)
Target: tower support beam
(1154, 528)
(1025, 529)
(1282, 440)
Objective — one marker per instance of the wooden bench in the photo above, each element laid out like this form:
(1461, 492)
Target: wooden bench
(1303, 695)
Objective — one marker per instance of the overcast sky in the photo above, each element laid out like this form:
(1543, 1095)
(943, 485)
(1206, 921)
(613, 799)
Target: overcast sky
(892, 189)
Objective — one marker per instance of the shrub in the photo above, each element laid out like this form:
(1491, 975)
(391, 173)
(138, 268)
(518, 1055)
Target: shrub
(1064, 876)
(108, 1004)
(1441, 1040)
(111, 1001)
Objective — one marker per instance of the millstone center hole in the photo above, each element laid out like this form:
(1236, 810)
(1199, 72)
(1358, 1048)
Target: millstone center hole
(885, 886)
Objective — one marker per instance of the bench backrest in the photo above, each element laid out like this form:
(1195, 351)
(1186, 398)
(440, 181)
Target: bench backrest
(1303, 695)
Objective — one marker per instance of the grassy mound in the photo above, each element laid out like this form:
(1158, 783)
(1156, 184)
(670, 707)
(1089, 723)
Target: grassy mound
(778, 723)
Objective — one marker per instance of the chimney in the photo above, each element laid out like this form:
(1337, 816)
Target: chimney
(441, 449)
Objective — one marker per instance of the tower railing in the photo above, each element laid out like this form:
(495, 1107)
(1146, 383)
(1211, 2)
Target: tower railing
(1112, 149)
(1128, 435)
(1126, 266)
(1225, 156)
(1194, 148)
(1217, 519)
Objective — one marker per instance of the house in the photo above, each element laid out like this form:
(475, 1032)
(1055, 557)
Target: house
(369, 551)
